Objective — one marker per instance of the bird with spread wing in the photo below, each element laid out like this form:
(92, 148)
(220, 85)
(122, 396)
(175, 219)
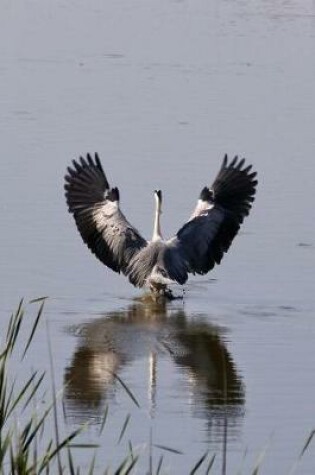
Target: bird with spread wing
(199, 244)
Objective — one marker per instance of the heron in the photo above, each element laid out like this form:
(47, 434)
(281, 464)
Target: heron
(157, 263)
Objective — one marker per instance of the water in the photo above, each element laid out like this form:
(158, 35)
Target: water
(162, 91)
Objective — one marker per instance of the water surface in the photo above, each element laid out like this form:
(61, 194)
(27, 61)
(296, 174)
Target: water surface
(162, 91)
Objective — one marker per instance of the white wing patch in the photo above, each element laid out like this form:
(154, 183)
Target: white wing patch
(201, 209)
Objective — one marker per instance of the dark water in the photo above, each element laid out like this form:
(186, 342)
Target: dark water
(162, 90)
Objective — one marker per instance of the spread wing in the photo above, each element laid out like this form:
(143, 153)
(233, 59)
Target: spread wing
(95, 207)
(203, 240)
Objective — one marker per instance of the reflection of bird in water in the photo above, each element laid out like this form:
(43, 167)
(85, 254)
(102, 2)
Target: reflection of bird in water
(153, 330)
(197, 246)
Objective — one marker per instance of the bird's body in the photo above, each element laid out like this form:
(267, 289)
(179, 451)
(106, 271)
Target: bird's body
(196, 248)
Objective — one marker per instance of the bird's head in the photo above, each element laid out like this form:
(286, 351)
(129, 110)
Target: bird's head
(158, 194)
(158, 198)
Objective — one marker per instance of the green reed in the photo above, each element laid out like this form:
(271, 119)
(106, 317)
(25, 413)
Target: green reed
(23, 450)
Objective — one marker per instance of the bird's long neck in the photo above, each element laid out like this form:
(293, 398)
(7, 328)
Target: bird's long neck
(157, 235)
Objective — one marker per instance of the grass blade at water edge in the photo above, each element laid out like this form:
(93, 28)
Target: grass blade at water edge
(92, 466)
(54, 405)
(132, 464)
(39, 299)
(34, 390)
(128, 391)
(70, 462)
(159, 467)
(305, 447)
(210, 465)
(51, 455)
(12, 322)
(307, 443)
(35, 324)
(168, 449)
(199, 463)
(123, 430)
(126, 466)
(130, 449)
(21, 395)
(103, 420)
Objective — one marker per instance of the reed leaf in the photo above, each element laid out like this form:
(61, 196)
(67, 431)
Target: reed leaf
(104, 419)
(59, 448)
(126, 466)
(132, 464)
(159, 467)
(307, 443)
(34, 390)
(20, 396)
(123, 430)
(128, 391)
(199, 463)
(130, 449)
(13, 320)
(210, 465)
(70, 462)
(35, 324)
(39, 299)
(92, 465)
(168, 449)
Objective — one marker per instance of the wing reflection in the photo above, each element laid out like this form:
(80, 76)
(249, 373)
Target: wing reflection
(153, 331)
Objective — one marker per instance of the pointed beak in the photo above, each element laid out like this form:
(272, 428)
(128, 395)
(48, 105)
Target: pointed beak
(159, 194)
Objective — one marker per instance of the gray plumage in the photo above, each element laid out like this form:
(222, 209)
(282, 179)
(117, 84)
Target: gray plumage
(196, 248)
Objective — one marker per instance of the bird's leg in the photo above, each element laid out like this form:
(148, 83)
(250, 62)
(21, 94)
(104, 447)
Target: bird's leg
(168, 293)
(156, 291)
(161, 291)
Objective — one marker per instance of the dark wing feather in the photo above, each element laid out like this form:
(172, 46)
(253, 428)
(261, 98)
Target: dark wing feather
(203, 240)
(95, 207)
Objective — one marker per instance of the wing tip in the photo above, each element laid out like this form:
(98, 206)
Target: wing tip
(87, 165)
(237, 163)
